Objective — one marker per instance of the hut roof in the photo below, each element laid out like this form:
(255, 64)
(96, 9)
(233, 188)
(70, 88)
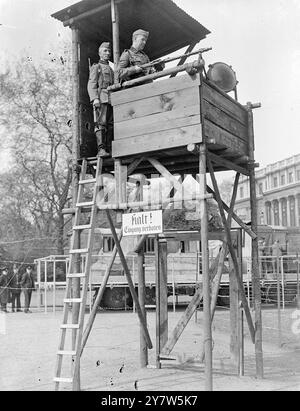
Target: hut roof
(170, 27)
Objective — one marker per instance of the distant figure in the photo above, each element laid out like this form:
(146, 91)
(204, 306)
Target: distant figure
(4, 289)
(27, 284)
(101, 77)
(132, 59)
(15, 289)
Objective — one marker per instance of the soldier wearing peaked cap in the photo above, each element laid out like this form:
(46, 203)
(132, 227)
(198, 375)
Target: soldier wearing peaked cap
(131, 60)
(101, 77)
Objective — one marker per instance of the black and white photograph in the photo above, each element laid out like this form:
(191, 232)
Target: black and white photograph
(149, 198)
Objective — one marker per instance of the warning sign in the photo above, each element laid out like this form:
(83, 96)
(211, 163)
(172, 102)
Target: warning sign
(146, 222)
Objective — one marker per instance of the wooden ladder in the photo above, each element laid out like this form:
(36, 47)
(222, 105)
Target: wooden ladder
(80, 278)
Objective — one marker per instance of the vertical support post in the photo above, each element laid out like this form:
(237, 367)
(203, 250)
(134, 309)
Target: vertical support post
(256, 291)
(141, 292)
(157, 294)
(120, 181)
(163, 288)
(39, 285)
(282, 279)
(241, 311)
(173, 287)
(278, 302)
(75, 181)
(205, 271)
(234, 315)
(115, 32)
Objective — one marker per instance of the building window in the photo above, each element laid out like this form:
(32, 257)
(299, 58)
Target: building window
(291, 177)
(298, 175)
(241, 192)
(284, 212)
(276, 212)
(108, 244)
(149, 245)
(282, 180)
(268, 210)
(260, 188)
(275, 182)
(292, 212)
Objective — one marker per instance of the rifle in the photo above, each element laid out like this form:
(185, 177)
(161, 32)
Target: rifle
(169, 59)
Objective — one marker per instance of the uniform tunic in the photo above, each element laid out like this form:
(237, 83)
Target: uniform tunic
(128, 60)
(101, 77)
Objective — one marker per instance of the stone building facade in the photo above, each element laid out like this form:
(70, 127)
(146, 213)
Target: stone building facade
(278, 194)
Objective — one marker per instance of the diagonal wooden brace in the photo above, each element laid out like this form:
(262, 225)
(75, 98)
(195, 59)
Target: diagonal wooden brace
(129, 280)
(234, 216)
(232, 252)
(99, 297)
(191, 308)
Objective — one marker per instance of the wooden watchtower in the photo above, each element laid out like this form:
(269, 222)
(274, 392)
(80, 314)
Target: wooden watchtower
(180, 124)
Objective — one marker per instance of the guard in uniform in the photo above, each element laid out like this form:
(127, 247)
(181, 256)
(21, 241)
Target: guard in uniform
(131, 60)
(101, 77)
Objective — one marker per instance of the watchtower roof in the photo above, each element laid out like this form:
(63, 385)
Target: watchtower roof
(170, 27)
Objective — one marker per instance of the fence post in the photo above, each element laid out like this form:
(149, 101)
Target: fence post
(278, 303)
(282, 283)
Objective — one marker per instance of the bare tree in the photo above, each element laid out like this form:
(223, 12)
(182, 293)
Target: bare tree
(35, 110)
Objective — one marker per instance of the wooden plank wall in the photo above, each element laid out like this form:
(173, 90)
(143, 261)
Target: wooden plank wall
(161, 115)
(225, 120)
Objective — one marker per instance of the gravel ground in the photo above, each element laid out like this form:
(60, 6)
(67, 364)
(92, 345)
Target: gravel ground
(111, 359)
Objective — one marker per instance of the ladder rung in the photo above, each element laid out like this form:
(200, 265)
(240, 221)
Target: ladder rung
(92, 162)
(66, 352)
(70, 326)
(76, 275)
(87, 204)
(82, 227)
(73, 300)
(61, 379)
(80, 251)
(88, 181)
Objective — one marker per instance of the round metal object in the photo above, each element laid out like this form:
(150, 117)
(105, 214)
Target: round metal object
(223, 76)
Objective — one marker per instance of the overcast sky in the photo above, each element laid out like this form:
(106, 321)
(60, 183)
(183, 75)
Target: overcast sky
(260, 39)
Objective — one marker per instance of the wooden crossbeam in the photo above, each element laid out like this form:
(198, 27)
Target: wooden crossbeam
(232, 252)
(227, 163)
(166, 173)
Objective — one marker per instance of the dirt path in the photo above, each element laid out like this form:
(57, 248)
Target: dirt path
(111, 359)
